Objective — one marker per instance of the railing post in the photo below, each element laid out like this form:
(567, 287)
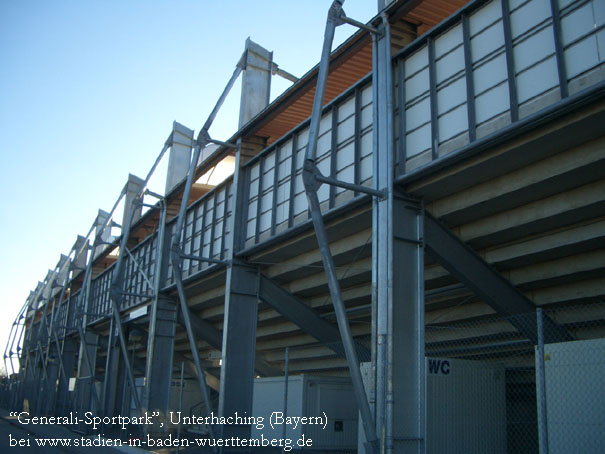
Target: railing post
(286, 367)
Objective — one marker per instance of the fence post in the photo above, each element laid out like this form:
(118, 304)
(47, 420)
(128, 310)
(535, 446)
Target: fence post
(178, 427)
(541, 385)
(287, 360)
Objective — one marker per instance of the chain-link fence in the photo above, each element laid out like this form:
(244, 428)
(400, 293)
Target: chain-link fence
(524, 384)
(529, 383)
(571, 395)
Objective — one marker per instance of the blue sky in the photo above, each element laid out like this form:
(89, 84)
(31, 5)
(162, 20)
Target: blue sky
(88, 93)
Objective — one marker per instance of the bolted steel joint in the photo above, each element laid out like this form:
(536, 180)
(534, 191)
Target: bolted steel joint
(309, 176)
(335, 13)
(203, 138)
(114, 293)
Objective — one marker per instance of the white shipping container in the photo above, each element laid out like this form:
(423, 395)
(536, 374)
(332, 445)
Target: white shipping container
(465, 406)
(575, 396)
(308, 396)
(192, 398)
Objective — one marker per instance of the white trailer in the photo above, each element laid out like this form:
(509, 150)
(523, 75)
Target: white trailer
(308, 396)
(465, 406)
(575, 396)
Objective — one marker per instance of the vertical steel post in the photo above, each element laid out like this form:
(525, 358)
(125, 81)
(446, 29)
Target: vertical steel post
(26, 365)
(398, 282)
(287, 363)
(132, 206)
(178, 427)
(559, 48)
(111, 367)
(468, 74)
(177, 264)
(238, 350)
(88, 351)
(49, 390)
(162, 327)
(256, 81)
(510, 62)
(84, 361)
(541, 385)
(68, 358)
(116, 299)
(176, 247)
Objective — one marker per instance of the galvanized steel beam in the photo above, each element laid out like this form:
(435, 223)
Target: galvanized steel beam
(177, 263)
(311, 185)
(397, 275)
(176, 251)
(68, 353)
(304, 317)
(239, 346)
(134, 191)
(241, 293)
(469, 268)
(86, 392)
(162, 328)
(111, 378)
(208, 333)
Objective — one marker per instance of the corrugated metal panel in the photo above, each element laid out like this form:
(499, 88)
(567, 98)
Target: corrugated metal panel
(465, 407)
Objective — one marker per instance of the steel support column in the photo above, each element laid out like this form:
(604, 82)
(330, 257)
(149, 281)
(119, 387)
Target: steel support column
(256, 81)
(239, 347)
(160, 356)
(162, 323)
(176, 253)
(132, 206)
(397, 281)
(208, 333)
(68, 358)
(28, 364)
(111, 379)
(86, 371)
(240, 318)
(241, 291)
(49, 387)
(34, 377)
(180, 155)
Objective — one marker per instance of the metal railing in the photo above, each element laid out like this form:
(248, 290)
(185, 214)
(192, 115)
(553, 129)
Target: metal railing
(486, 67)
(207, 231)
(275, 191)
(490, 65)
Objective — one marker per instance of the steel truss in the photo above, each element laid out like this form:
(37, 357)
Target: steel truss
(391, 402)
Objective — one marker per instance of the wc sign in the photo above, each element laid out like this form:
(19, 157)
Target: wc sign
(439, 366)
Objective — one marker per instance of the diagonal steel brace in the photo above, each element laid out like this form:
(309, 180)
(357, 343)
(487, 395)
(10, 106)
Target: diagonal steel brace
(311, 183)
